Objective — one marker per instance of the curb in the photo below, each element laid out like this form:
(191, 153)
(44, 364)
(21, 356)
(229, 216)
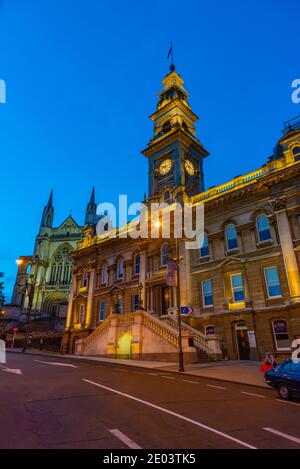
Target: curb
(95, 362)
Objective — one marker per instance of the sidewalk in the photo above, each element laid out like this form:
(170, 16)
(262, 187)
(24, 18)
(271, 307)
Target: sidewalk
(242, 372)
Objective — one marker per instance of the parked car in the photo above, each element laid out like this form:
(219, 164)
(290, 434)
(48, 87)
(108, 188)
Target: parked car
(285, 378)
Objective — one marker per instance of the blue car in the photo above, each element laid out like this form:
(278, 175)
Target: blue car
(285, 378)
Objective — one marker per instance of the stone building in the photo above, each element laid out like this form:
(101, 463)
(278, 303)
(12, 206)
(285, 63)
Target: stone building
(46, 274)
(241, 283)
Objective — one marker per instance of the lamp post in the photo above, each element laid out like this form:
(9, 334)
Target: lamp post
(29, 289)
(180, 353)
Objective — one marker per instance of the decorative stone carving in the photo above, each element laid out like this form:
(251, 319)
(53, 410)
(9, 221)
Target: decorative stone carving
(279, 203)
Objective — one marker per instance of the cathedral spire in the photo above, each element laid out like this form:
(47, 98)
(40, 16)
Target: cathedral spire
(48, 213)
(91, 210)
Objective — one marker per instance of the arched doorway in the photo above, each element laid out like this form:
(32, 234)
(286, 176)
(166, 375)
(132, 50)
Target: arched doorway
(124, 345)
(242, 341)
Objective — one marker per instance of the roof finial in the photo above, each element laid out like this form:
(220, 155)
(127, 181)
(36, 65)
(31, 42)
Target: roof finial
(171, 54)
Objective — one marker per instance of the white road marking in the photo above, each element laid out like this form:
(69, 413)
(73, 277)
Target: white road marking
(287, 402)
(283, 435)
(57, 364)
(174, 414)
(188, 381)
(167, 377)
(11, 370)
(128, 442)
(216, 387)
(252, 394)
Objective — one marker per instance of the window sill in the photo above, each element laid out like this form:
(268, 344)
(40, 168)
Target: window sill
(262, 244)
(229, 252)
(274, 301)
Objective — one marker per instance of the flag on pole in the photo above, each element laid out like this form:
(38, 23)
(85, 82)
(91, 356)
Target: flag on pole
(170, 51)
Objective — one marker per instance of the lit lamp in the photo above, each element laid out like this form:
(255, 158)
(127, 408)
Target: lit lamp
(19, 261)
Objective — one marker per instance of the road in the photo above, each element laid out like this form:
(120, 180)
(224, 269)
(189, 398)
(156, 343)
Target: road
(64, 403)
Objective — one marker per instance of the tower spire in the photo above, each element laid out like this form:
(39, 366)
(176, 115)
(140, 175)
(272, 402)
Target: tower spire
(48, 213)
(91, 210)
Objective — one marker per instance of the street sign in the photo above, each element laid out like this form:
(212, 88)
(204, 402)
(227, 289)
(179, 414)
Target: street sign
(15, 329)
(171, 273)
(186, 310)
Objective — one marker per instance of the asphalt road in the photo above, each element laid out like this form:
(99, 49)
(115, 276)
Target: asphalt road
(59, 403)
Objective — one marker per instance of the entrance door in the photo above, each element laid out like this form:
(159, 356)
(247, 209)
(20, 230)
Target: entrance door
(243, 342)
(165, 300)
(124, 346)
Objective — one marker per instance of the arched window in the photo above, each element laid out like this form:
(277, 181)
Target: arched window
(120, 269)
(104, 274)
(167, 197)
(166, 127)
(61, 267)
(164, 254)
(137, 265)
(203, 245)
(231, 237)
(296, 153)
(28, 269)
(209, 330)
(281, 335)
(263, 228)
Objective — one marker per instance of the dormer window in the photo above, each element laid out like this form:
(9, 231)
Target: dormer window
(296, 153)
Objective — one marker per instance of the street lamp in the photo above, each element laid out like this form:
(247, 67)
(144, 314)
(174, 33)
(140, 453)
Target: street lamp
(180, 353)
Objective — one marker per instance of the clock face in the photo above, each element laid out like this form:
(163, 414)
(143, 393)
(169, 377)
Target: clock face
(189, 167)
(165, 166)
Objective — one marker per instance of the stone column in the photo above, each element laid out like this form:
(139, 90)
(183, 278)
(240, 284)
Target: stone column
(287, 248)
(71, 301)
(89, 305)
(143, 277)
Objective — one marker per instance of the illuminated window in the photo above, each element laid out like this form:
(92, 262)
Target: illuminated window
(207, 293)
(164, 257)
(231, 237)
(102, 311)
(296, 153)
(281, 335)
(204, 247)
(120, 269)
(272, 282)
(81, 318)
(237, 288)
(137, 264)
(263, 228)
(104, 274)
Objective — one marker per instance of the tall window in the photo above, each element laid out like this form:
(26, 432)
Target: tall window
(135, 302)
(167, 197)
(102, 311)
(204, 247)
(272, 282)
(61, 267)
(81, 318)
(104, 274)
(85, 279)
(237, 287)
(137, 265)
(281, 335)
(263, 228)
(120, 269)
(207, 293)
(164, 257)
(231, 237)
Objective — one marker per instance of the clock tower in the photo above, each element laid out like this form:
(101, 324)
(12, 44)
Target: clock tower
(174, 153)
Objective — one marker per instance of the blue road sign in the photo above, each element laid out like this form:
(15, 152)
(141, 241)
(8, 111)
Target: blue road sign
(186, 310)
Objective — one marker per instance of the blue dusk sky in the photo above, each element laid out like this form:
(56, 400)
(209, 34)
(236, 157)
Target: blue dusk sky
(82, 78)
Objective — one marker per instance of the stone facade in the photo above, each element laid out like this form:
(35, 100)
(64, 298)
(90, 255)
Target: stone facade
(242, 281)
